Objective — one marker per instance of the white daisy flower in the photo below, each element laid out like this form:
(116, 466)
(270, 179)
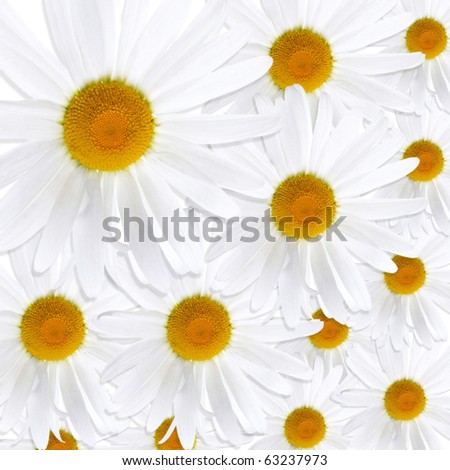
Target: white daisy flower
(51, 358)
(415, 297)
(200, 352)
(111, 125)
(405, 398)
(317, 183)
(332, 342)
(425, 137)
(308, 419)
(427, 32)
(324, 46)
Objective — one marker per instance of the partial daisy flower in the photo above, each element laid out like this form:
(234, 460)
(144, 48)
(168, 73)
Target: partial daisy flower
(315, 221)
(427, 32)
(112, 125)
(414, 299)
(51, 357)
(308, 419)
(325, 48)
(196, 352)
(138, 438)
(332, 342)
(404, 397)
(425, 137)
(62, 440)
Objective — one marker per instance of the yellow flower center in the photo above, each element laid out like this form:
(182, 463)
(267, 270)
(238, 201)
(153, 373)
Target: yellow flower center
(303, 206)
(52, 328)
(108, 125)
(173, 442)
(404, 400)
(198, 328)
(428, 36)
(431, 160)
(304, 428)
(409, 277)
(67, 442)
(332, 335)
(301, 56)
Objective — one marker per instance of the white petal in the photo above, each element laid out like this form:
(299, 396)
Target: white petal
(185, 410)
(377, 178)
(296, 134)
(218, 83)
(26, 206)
(278, 360)
(366, 369)
(377, 235)
(330, 297)
(61, 220)
(74, 402)
(440, 84)
(218, 129)
(39, 410)
(374, 32)
(351, 278)
(162, 406)
(29, 120)
(381, 209)
(158, 35)
(376, 91)
(201, 192)
(242, 392)
(87, 237)
(27, 63)
(20, 160)
(210, 20)
(373, 64)
(268, 278)
(19, 395)
(262, 375)
(129, 358)
(220, 403)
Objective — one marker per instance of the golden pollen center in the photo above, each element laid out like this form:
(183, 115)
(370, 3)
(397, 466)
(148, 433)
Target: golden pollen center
(304, 428)
(431, 160)
(404, 400)
(301, 56)
(67, 442)
(428, 36)
(108, 125)
(52, 328)
(173, 442)
(303, 206)
(409, 278)
(198, 328)
(332, 335)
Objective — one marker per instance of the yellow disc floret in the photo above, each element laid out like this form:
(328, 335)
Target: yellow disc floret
(198, 328)
(52, 328)
(67, 442)
(409, 277)
(301, 56)
(431, 159)
(428, 36)
(108, 125)
(332, 335)
(305, 428)
(404, 400)
(173, 442)
(303, 206)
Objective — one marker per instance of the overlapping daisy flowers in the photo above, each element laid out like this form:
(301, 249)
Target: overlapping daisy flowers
(316, 133)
